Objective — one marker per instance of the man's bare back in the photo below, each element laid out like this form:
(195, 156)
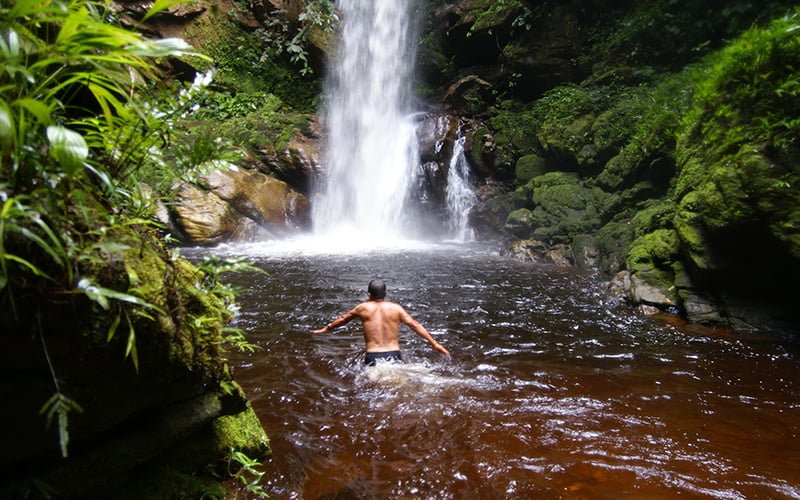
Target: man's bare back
(380, 321)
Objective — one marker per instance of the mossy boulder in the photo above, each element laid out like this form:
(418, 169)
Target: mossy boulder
(650, 263)
(612, 242)
(515, 134)
(563, 206)
(519, 222)
(738, 155)
(528, 167)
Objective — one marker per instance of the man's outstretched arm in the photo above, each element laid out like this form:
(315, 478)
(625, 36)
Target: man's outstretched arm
(341, 320)
(420, 330)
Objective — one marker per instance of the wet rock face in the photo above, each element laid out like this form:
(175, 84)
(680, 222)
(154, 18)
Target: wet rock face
(298, 162)
(512, 46)
(237, 205)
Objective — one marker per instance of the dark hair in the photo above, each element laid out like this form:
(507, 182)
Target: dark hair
(377, 289)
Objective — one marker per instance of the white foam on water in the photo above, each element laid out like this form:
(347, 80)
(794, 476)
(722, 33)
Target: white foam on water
(339, 243)
(416, 378)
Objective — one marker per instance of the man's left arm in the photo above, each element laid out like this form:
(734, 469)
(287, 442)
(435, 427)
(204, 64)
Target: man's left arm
(420, 330)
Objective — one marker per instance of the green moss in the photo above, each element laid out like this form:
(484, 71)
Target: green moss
(613, 242)
(651, 261)
(242, 432)
(658, 214)
(738, 152)
(490, 14)
(659, 248)
(586, 126)
(564, 206)
(169, 483)
(689, 225)
(528, 167)
(476, 152)
(519, 223)
(515, 133)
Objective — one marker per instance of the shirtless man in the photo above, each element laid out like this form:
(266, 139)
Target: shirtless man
(381, 322)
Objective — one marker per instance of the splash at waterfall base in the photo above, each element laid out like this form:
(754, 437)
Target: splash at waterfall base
(273, 196)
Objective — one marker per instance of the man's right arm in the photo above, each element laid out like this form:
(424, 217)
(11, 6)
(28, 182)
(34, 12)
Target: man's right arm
(341, 320)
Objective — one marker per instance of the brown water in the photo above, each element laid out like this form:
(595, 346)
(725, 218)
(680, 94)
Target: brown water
(554, 390)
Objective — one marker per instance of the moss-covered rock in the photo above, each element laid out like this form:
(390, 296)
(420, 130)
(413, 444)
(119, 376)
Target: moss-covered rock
(528, 167)
(738, 158)
(564, 207)
(650, 263)
(612, 242)
(515, 133)
(519, 222)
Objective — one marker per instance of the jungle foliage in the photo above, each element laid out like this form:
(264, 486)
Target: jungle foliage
(77, 134)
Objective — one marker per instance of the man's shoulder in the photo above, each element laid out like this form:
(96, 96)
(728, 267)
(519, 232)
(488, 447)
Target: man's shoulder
(372, 305)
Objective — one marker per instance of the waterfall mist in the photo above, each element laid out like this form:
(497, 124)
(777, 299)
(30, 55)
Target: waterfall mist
(371, 152)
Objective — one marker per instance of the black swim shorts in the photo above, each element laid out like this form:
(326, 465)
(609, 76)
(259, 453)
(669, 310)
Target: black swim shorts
(372, 358)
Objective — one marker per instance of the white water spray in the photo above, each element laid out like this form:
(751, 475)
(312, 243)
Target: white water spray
(460, 194)
(371, 152)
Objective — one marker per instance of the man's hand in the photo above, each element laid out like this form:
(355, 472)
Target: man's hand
(324, 329)
(440, 348)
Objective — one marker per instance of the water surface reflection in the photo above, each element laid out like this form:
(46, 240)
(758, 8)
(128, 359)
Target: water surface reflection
(553, 390)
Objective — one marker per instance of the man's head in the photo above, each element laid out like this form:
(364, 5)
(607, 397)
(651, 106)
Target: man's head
(377, 289)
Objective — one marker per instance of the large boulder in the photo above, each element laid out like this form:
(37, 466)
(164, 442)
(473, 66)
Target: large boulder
(562, 206)
(237, 204)
(295, 161)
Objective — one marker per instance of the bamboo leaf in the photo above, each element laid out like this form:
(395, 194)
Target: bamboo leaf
(60, 405)
(161, 48)
(9, 46)
(101, 295)
(93, 292)
(130, 348)
(63, 434)
(160, 5)
(6, 127)
(113, 328)
(38, 109)
(56, 253)
(19, 260)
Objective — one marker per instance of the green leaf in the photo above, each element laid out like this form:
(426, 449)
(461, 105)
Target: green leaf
(160, 5)
(38, 109)
(130, 347)
(6, 128)
(101, 295)
(113, 328)
(19, 260)
(68, 148)
(60, 405)
(94, 293)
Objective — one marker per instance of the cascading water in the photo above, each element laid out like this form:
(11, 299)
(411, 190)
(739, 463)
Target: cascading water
(460, 195)
(371, 152)
(371, 156)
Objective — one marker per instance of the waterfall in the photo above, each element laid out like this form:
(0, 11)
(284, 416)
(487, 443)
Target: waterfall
(371, 155)
(460, 194)
(371, 152)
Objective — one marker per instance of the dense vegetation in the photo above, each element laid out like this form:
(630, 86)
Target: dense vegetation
(94, 305)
